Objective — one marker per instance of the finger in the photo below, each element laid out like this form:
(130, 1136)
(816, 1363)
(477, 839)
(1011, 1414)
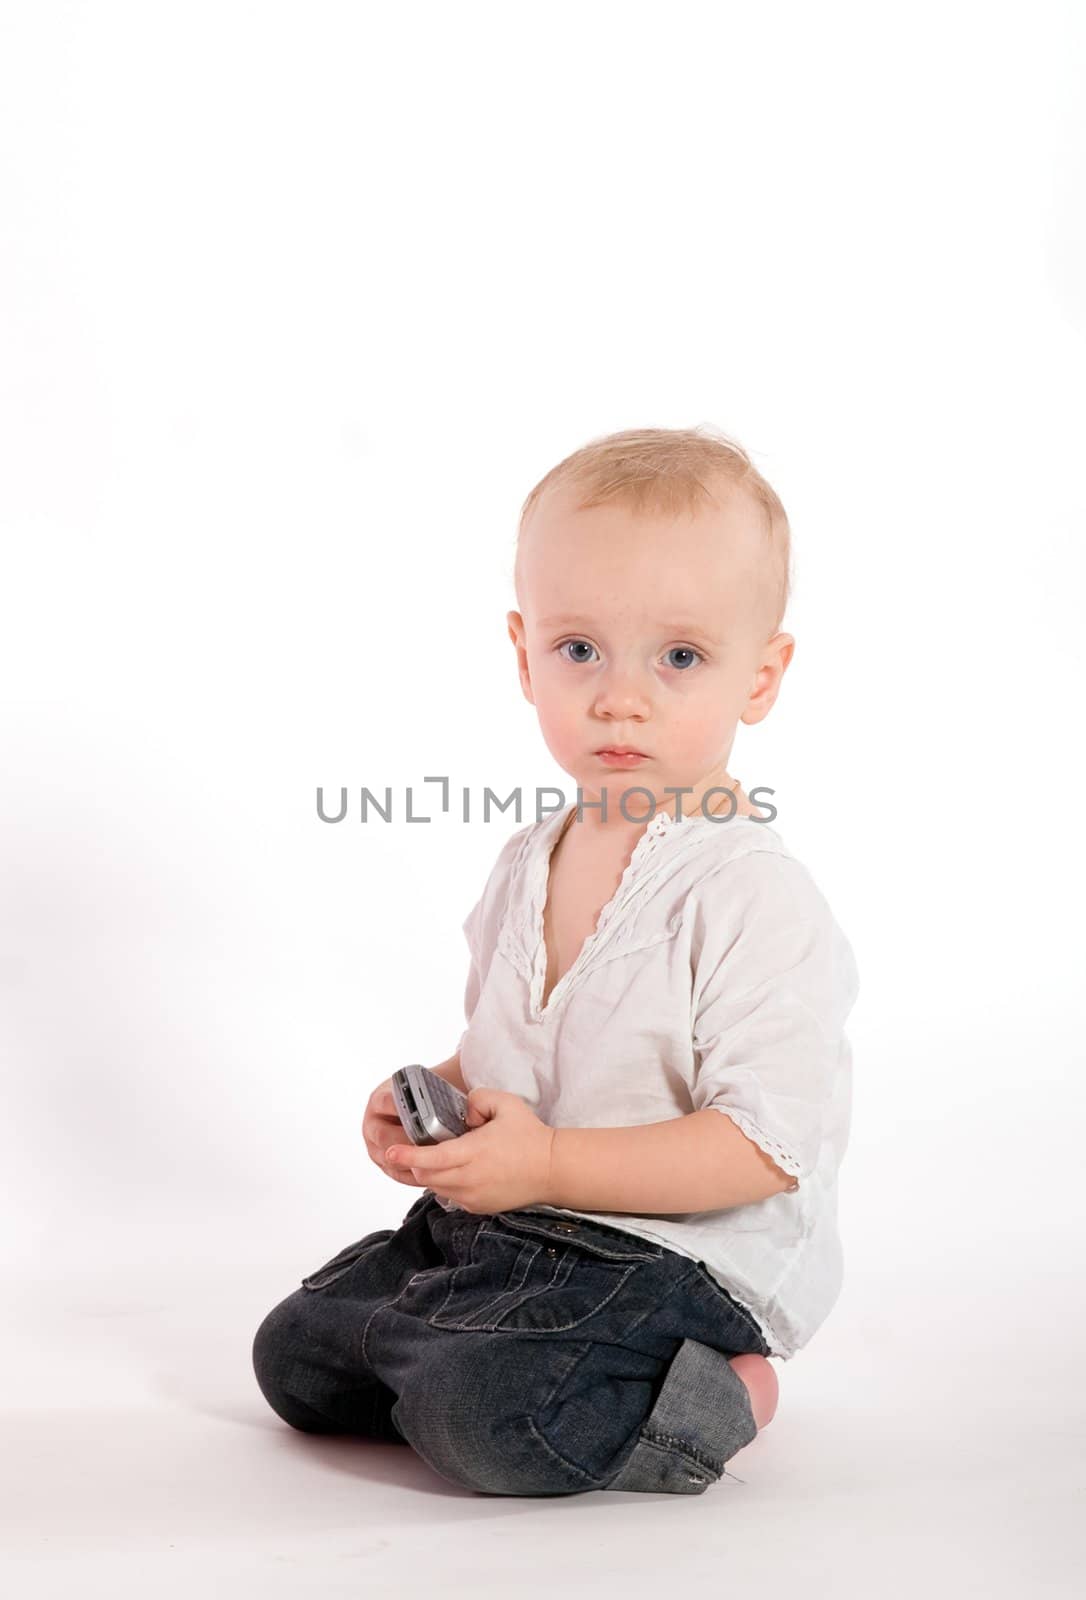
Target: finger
(388, 1119)
(379, 1132)
(444, 1194)
(404, 1157)
(402, 1173)
(459, 1150)
(430, 1159)
(377, 1148)
(421, 1158)
(386, 1130)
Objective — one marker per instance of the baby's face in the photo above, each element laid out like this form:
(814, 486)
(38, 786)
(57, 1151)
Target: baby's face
(645, 631)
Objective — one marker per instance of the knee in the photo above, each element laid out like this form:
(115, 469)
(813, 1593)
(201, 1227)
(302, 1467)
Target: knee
(274, 1356)
(272, 1342)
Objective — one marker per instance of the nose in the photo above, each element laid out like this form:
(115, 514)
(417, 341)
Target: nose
(620, 698)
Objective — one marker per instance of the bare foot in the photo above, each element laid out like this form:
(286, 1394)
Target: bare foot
(762, 1386)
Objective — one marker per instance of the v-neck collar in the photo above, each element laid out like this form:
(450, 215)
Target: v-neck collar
(529, 951)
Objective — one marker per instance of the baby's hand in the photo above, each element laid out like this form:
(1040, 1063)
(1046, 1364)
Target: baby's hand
(501, 1163)
(382, 1127)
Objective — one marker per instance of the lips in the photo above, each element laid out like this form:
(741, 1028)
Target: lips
(619, 750)
(627, 760)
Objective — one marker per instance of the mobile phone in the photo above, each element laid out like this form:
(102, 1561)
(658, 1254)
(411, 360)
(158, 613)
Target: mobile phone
(429, 1108)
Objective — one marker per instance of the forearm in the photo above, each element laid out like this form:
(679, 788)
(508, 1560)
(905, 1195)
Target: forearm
(697, 1162)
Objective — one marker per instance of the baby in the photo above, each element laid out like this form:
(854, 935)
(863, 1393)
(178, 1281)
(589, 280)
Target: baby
(643, 1208)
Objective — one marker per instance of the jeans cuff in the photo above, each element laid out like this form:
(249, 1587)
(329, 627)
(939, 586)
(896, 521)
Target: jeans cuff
(701, 1418)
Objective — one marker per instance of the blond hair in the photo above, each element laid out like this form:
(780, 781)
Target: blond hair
(669, 470)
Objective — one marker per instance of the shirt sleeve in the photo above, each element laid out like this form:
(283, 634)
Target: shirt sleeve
(774, 981)
(474, 985)
(482, 923)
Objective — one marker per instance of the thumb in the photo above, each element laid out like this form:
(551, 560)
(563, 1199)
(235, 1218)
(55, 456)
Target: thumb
(482, 1105)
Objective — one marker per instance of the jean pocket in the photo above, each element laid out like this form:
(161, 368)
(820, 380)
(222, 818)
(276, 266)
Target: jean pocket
(345, 1259)
(528, 1276)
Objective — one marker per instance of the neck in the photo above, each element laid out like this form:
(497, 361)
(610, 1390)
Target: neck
(642, 812)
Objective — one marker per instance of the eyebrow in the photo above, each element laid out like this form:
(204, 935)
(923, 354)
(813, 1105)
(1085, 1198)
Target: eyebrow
(693, 630)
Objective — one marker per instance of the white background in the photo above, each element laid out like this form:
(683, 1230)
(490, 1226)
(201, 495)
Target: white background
(297, 302)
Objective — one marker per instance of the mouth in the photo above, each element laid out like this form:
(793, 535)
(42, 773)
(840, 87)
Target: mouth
(622, 754)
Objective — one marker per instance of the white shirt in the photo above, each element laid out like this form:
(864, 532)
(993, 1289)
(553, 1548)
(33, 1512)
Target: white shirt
(716, 976)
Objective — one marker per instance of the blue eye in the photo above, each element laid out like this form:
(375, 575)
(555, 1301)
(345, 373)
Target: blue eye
(583, 642)
(676, 650)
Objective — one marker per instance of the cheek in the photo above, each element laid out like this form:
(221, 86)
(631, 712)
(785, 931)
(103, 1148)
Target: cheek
(696, 724)
(560, 723)
(561, 714)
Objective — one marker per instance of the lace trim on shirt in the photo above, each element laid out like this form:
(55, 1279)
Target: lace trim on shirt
(532, 916)
(520, 936)
(765, 1141)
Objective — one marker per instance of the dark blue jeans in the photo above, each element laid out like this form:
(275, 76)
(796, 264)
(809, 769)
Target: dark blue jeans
(518, 1354)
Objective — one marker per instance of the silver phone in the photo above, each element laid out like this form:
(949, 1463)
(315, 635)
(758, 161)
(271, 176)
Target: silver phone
(429, 1108)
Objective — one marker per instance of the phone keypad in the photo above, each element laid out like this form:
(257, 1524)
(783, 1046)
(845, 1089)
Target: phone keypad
(449, 1103)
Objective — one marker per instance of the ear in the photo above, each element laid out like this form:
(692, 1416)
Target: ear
(519, 633)
(767, 679)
